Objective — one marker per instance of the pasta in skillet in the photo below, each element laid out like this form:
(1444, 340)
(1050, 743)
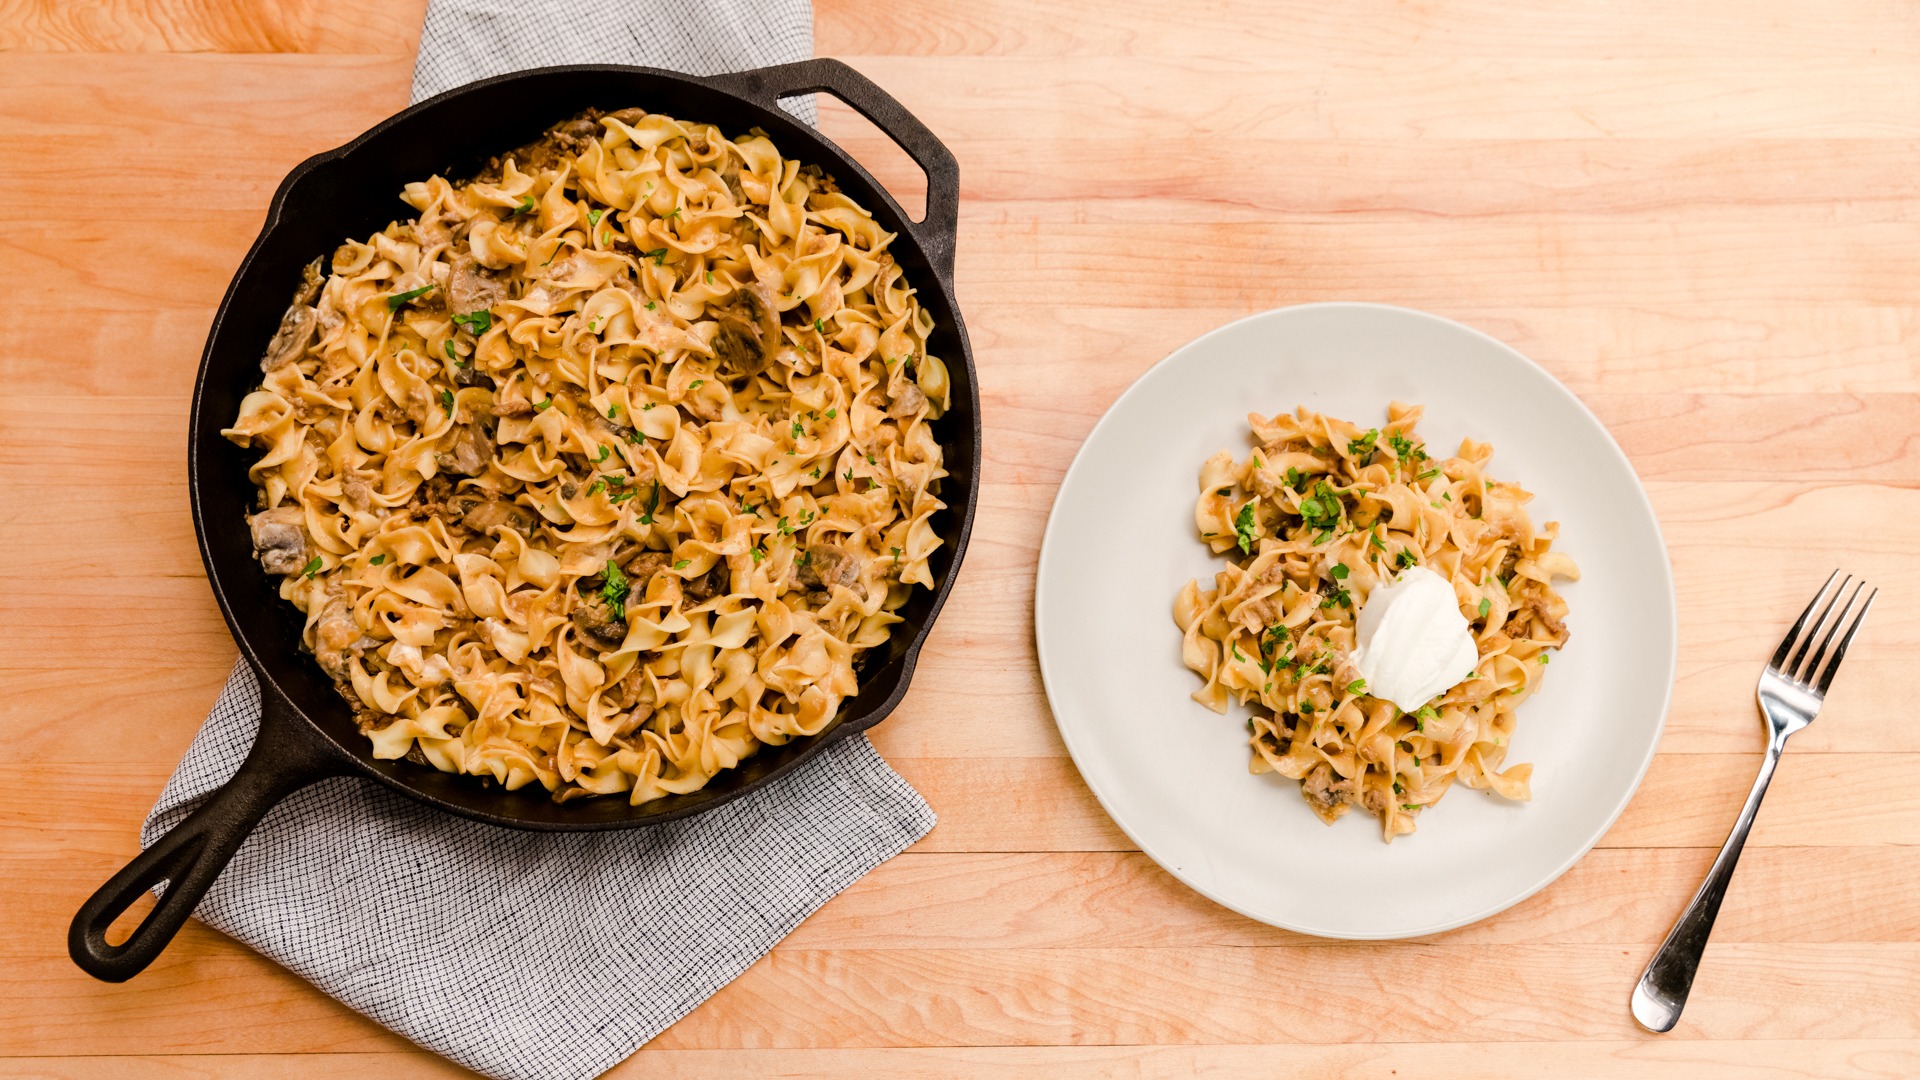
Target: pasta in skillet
(1316, 518)
(604, 470)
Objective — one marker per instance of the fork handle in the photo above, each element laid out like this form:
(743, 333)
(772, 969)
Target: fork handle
(1664, 986)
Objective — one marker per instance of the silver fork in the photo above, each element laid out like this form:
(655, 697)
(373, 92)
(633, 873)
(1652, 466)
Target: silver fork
(1791, 690)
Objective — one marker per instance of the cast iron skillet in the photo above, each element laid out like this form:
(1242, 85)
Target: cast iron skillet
(306, 731)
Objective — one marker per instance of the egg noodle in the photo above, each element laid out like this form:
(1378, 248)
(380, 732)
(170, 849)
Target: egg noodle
(1315, 519)
(604, 470)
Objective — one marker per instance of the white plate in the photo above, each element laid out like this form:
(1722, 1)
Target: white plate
(1174, 776)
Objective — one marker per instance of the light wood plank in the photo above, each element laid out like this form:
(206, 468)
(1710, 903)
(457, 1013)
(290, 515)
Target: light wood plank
(238, 1003)
(1374, 29)
(1643, 1058)
(1325, 993)
(187, 26)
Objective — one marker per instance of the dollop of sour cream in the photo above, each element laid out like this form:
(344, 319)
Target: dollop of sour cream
(1413, 642)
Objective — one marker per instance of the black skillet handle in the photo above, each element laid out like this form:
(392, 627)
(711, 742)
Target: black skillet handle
(936, 232)
(287, 755)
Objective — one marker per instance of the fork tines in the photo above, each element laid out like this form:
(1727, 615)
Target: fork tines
(1829, 619)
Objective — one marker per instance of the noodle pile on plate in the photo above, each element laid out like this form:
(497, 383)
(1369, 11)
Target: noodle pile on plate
(1315, 518)
(604, 470)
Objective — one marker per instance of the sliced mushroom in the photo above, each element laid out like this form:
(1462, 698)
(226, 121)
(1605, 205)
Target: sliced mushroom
(642, 567)
(292, 339)
(493, 513)
(598, 627)
(823, 566)
(710, 584)
(470, 452)
(280, 539)
(471, 287)
(747, 334)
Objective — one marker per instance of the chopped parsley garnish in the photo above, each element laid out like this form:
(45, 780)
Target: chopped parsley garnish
(816, 472)
(658, 255)
(1224, 491)
(1428, 475)
(651, 305)
(1544, 658)
(1357, 686)
(399, 300)
(597, 486)
(1306, 708)
(1235, 649)
(525, 206)
(1339, 571)
(675, 214)
(682, 564)
(1244, 527)
(1486, 605)
(1409, 806)
(615, 591)
(543, 406)
(819, 327)
(446, 401)
(896, 554)
(709, 277)
(377, 559)
(757, 554)
(451, 355)
(783, 528)
(647, 406)
(831, 413)
(653, 503)
(1404, 448)
(476, 323)
(696, 384)
(604, 451)
(1362, 447)
(798, 430)
(312, 568)
(593, 217)
(1293, 478)
(1374, 539)
(1321, 510)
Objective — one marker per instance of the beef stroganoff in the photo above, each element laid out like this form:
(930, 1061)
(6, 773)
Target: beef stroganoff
(1316, 519)
(605, 469)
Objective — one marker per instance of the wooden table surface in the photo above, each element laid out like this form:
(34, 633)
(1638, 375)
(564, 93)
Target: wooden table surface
(1703, 217)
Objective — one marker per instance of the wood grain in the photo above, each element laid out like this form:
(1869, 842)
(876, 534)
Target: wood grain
(1703, 218)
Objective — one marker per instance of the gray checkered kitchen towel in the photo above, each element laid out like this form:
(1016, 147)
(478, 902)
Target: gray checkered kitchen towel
(520, 954)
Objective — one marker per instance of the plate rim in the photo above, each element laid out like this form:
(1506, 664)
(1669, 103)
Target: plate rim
(1671, 614)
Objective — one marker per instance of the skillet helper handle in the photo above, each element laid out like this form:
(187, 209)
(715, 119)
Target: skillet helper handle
(936, 232)
(287, 755)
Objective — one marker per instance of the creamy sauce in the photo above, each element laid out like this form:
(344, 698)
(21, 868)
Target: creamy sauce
(1413, 644)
